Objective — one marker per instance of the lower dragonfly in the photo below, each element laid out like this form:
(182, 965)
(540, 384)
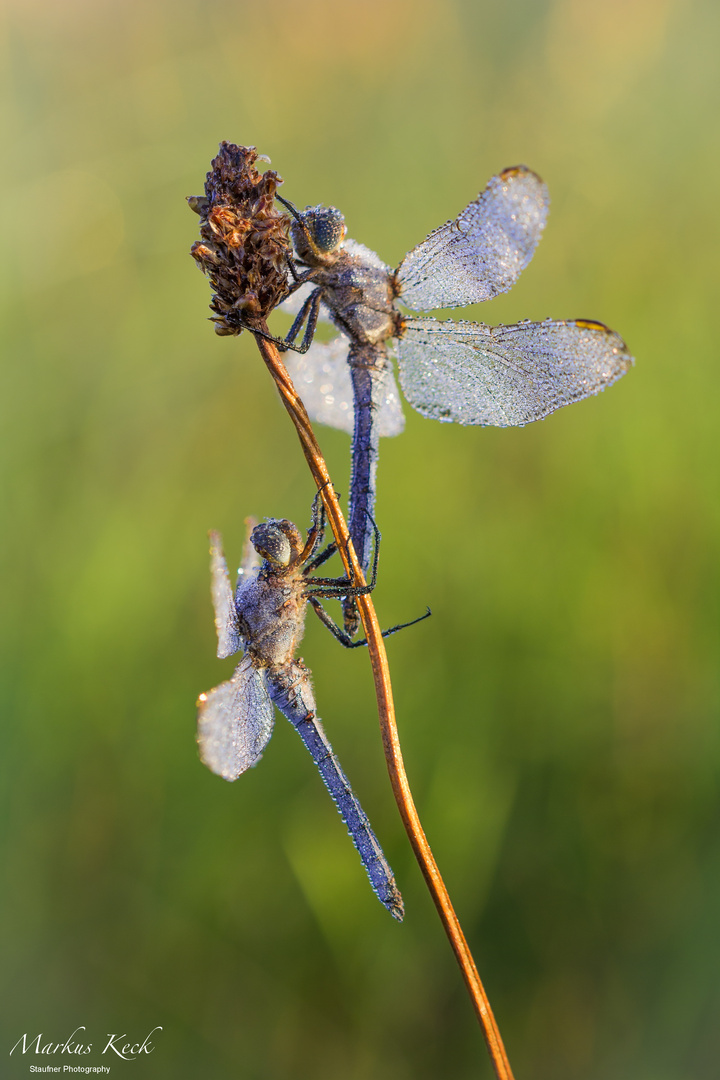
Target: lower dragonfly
(265, 617)
(454, 371)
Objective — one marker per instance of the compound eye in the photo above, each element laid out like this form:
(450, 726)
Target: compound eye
(326, 226)
(271, 543)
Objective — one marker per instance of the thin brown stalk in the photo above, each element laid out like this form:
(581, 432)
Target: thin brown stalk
(386, 709)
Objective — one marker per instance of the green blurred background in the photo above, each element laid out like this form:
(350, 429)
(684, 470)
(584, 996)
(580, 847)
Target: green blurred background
(559, 711)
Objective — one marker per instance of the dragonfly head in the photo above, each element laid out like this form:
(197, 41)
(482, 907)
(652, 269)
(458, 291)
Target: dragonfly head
(318, 233)
(276, 541)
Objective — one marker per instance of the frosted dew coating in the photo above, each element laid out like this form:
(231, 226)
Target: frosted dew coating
(505, 376)
(266, 618)
(226, 624)
(483, 252)
(461, 372)
(235, 722)
(366, 256)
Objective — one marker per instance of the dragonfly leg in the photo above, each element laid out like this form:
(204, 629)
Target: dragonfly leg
(306, 274)
(280, 342)
(293, 270)
(316, 531)
(309, 311)
(344, 638)
(322, 557)
(332, 588)
(310, 557)
(312, 561)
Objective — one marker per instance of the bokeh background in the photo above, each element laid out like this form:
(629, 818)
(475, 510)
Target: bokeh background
(559, 711)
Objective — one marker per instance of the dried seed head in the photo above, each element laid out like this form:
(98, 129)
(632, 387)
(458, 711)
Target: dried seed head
(245, 243)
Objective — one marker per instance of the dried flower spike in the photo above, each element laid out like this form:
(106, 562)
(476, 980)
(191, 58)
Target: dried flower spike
(245, 245)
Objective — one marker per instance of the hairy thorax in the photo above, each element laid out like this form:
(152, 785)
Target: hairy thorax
(271, 611)
(357, 291)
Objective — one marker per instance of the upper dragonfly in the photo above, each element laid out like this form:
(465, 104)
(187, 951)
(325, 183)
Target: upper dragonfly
(455, 371)
(265, 617)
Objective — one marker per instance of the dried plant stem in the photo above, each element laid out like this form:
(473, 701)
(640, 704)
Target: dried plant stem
(386, 709)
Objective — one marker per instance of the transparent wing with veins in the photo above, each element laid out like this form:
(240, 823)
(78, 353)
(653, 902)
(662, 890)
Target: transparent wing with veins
(226, 621)
(505, 376)
(322, 379)
(235, 722)
(235, 719)
(483, 252)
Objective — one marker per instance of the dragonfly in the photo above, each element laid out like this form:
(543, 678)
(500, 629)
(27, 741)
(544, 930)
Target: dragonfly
(452, 371)
(264, 617)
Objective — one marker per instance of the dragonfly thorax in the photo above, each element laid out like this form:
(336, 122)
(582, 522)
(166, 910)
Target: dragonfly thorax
(271, 611)
(356, 291)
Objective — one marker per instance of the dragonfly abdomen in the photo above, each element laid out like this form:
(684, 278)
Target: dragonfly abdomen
(369, 369)
(291, 691)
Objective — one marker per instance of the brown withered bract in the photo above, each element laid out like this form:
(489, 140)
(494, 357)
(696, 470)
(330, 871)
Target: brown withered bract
(245, 243)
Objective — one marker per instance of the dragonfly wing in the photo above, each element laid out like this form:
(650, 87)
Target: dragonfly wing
(389, 416)
(506, 376)
(226, 620)
(481, 253)
(235, 722)
(323, 381)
